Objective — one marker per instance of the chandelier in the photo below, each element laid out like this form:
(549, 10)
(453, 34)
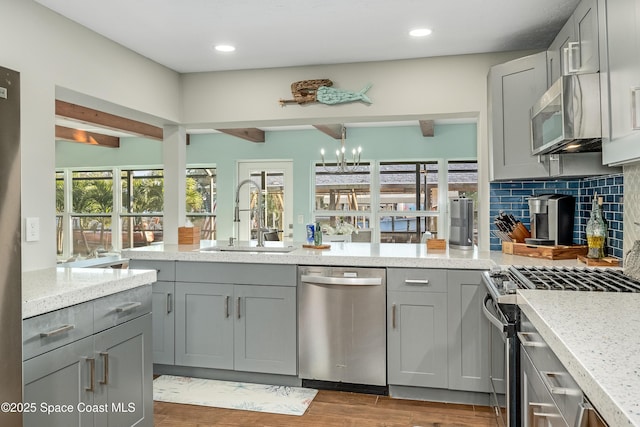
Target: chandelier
(344, 165)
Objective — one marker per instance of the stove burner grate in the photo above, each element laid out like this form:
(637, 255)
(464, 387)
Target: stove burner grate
(576, 279)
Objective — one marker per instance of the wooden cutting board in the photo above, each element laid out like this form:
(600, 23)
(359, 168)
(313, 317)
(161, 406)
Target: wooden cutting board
(600, 262)
(543, 251)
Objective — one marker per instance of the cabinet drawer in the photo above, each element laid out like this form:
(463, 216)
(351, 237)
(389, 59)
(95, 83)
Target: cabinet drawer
(52, 330)
(236, 273)
(165, 270)
(118, 308)
(416, 280)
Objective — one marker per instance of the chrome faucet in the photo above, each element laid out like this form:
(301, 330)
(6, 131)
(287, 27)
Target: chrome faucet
(236, 214)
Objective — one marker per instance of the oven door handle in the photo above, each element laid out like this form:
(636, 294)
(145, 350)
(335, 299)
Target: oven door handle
(490, 316)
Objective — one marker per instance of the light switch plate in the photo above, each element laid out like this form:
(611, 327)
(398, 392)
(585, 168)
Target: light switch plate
(32, 229)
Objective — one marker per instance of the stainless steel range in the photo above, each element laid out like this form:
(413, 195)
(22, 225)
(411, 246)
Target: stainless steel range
(501, 310)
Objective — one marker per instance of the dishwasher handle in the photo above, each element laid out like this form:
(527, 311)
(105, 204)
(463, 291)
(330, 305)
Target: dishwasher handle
(342, 281)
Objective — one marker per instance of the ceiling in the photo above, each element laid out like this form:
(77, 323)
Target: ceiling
(180, 34)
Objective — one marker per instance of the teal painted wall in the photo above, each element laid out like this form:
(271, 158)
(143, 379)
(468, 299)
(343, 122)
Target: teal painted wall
(397, 143)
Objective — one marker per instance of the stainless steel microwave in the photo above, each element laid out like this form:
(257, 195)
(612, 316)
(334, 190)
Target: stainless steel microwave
(566, 119)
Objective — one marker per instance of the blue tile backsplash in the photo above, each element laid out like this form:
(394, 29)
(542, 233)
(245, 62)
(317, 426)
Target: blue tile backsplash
(511, 197)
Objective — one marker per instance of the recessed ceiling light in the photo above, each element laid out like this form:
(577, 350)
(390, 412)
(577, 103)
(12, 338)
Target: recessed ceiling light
(224, 48)
(420, 32)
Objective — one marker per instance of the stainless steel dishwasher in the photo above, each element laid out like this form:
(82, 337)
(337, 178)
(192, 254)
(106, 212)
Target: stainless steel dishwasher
(342, 325)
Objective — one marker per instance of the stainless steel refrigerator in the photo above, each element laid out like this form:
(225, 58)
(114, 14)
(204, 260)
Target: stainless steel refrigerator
(10, 257)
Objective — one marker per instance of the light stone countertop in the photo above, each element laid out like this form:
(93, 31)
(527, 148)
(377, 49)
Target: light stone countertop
(596, 337)
(349, 254)
(55, 288)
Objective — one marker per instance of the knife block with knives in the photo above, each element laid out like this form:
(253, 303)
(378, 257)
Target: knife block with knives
(510, 229)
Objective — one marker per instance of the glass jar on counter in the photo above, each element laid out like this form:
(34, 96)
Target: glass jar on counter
(596, 231)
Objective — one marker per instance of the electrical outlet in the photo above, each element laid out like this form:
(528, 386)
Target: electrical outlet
(300, 219)
(32, 229)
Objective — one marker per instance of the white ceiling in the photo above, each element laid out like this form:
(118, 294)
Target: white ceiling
(180, 34)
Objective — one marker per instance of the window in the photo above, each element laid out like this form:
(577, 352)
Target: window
(142, 195)
(92, 205)
(201, 201)
(343, 198)
(408, 201)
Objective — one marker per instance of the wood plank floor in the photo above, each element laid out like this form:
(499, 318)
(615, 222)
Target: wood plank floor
(333, 409)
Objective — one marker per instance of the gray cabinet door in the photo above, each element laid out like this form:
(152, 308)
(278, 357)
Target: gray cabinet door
(556, 58)
(60, 377)
(469, 332)
(585, 56)
(163, 308)
(265, 329)
(204, 325)
(124, 379)
(620, 82)
(513, 88)
(417, 339)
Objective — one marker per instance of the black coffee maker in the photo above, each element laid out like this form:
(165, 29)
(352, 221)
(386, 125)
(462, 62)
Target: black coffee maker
(552, 219)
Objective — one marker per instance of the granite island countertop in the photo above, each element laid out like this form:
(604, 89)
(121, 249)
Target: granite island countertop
(341, 254)
(596, 337)
(55, 288)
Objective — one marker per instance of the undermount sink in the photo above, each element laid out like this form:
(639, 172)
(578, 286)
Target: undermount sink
(263, 249)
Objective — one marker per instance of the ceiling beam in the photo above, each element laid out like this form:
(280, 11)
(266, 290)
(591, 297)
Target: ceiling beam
(334, 130)
(426, 126)
(110, 121)
(250, 134)
(76, 135)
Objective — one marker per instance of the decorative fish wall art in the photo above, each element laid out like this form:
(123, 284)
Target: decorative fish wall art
(322, 91)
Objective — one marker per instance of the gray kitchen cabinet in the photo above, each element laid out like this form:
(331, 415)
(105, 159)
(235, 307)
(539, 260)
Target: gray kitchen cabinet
(417, 341)
(236, 317)
(585, 56)
(163, 308)
(620, 81)
(104, 362)
(59, 377)
(576, 47)
(163, 320)
(265, 337)
(125, 383)
(556, 58)
(204, 325)
(469, 332)
(513, 88)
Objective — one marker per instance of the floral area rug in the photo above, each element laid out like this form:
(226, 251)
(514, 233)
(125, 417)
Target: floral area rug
(233, 395)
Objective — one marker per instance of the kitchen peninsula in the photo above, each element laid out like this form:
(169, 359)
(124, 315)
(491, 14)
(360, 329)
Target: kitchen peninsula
(86, 347)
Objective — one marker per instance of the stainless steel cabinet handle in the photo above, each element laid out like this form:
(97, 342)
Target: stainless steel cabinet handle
(169, 303)
(572, 57)
(226, 307)
(238, 307)
(535, 416)
(128, 307)
(324, 280)
(549, 377)
(393, 316)
(57, 331)
(635, 108)
(526, 341)
(92, 374)
(417, 282)
(105, 373)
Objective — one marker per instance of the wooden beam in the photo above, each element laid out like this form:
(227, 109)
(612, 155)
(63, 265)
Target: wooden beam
(426, 126)
(110, 121)
(76, 135)
(250, 134)
(334, 131)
